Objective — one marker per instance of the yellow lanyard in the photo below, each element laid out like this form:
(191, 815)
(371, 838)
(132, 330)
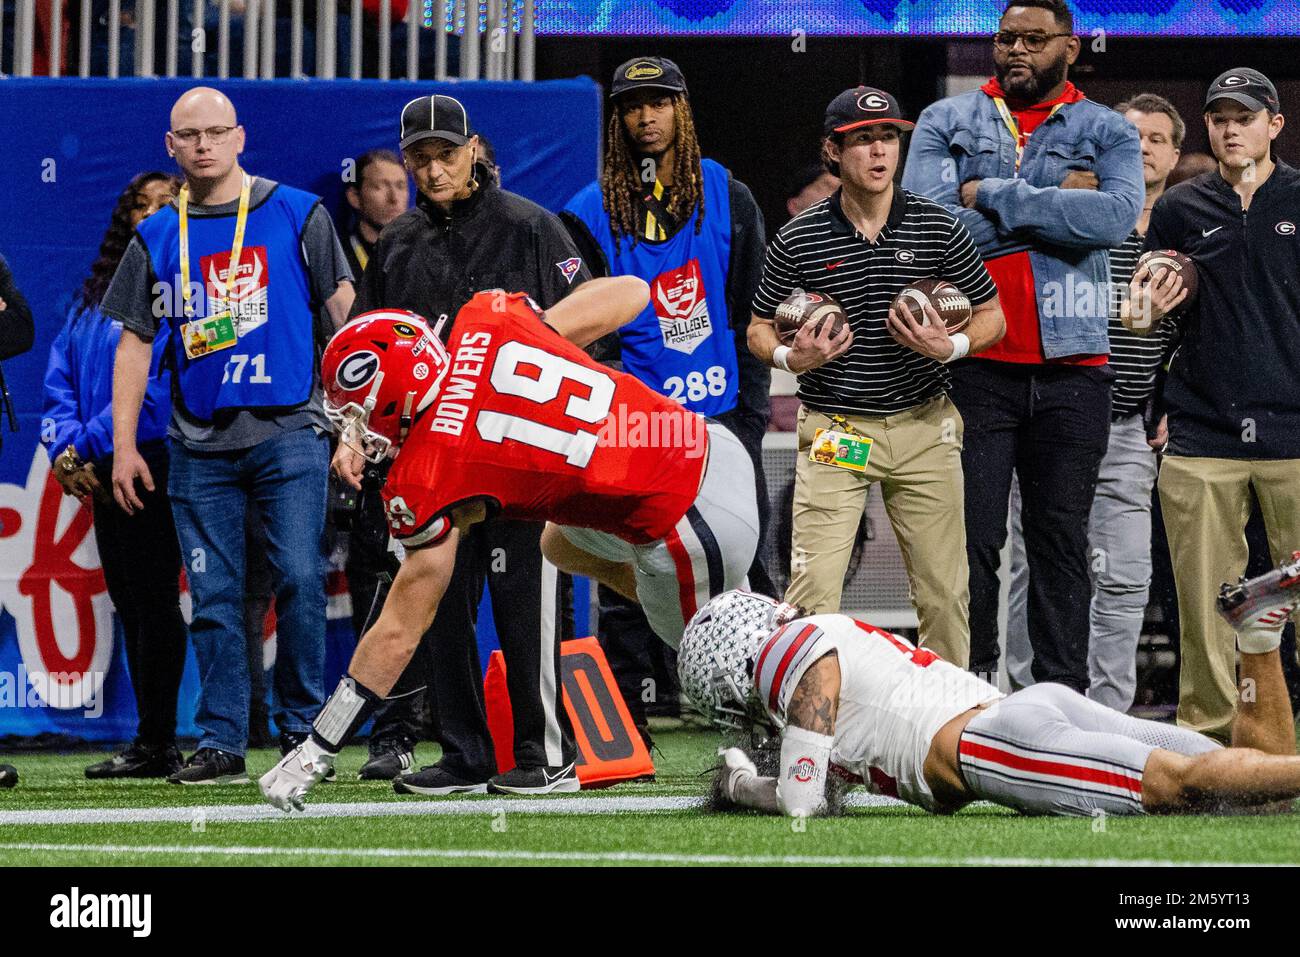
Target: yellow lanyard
(1010, 120)
(363, 258)
(236, 248)
(653, 230)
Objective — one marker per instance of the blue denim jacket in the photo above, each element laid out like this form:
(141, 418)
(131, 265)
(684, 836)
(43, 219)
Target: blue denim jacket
(1067, 231)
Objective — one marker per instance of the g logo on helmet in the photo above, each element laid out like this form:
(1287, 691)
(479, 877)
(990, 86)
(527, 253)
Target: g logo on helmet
(357, 370)
(1285, 228)
(872, 103)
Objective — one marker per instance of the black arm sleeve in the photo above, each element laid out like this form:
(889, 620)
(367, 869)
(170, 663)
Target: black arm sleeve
(748, 239)
(554, 247)
(17, 331)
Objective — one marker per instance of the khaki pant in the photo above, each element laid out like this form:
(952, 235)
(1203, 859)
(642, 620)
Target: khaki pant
(916, 459)
(1206, 504)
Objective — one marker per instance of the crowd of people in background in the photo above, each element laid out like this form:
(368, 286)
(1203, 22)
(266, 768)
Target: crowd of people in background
(1053, 414)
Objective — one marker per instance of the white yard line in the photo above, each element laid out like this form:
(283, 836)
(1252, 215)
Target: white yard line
(411, 807)
(603, 857)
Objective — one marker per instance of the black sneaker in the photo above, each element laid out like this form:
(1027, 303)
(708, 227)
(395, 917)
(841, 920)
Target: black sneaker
(291, 739)
(436, 781)
(210, 766)
(138, 761)
(535, 781)
(388, 759)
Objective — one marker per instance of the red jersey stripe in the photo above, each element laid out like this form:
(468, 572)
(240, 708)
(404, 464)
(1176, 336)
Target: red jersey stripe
(685, 574)
(781, 668)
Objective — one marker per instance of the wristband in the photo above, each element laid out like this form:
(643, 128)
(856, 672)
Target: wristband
(960, 347)
(781, 358)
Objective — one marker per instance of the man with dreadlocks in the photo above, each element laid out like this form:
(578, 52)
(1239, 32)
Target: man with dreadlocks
(683, 224)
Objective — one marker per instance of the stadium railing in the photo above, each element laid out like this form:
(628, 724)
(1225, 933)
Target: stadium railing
(488, 39)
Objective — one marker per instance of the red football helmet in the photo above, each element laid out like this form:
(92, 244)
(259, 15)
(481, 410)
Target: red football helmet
(379, 372)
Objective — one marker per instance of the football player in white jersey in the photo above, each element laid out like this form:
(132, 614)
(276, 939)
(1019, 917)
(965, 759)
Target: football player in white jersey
(852, 700)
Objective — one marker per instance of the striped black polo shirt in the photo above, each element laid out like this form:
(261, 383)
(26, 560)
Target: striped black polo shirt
(1134, 358)
(821, 251)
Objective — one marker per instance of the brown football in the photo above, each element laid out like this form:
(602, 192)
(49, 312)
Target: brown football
(1162, 259)
(952, 305)
(803, 307)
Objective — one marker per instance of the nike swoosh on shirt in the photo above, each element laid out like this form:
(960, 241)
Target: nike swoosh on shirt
(1207, 232)
(836, 265)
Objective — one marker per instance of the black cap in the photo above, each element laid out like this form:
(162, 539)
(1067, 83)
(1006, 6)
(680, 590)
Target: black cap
(1248, 87)
(435, 116)
(863, 106)
(648, 72)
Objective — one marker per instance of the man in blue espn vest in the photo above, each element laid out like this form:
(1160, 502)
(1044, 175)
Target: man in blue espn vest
(239, 274)
(695, 234)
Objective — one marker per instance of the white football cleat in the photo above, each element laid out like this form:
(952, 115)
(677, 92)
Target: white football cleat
(1258, 609)
(286, 785)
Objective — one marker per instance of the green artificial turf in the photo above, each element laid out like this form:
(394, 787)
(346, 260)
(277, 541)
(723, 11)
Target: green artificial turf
(498, 834)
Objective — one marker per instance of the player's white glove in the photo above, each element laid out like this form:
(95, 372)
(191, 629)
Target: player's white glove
(736, 765)
(286, 785)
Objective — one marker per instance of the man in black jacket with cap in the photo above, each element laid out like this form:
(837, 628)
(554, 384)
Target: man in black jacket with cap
(466, 234)
(1233, 390)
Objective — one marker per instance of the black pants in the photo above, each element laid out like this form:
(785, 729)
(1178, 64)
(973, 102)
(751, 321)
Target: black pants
(370, 569)
(142, 563)
(635, 653)
(1050, 425)
(532, 609)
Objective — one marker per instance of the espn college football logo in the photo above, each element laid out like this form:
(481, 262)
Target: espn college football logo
(681, 307)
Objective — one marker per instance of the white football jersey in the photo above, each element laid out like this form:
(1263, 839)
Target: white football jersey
(894, 698)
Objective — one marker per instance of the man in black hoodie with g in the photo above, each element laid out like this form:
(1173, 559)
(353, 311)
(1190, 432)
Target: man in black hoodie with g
(466, 234)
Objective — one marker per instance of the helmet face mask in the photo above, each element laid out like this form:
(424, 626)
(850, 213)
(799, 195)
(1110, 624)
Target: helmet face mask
(379, 372)
(715, 660)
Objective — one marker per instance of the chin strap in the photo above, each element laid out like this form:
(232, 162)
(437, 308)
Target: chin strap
(404, 420)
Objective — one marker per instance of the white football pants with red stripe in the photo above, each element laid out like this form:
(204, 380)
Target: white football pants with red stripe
(709, 551)
(1049, 750)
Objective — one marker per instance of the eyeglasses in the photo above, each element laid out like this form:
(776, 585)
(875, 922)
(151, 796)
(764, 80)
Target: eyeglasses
(1034, 42)
(216, 135)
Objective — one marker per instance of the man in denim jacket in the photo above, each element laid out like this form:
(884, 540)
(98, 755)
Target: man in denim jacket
(1046, 181)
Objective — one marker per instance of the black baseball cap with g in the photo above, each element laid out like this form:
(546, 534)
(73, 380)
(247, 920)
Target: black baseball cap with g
(647, 72)
(863, 106)
(1248, 87)
(437, 116)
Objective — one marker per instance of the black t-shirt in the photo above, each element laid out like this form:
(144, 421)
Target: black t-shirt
(1234, 382)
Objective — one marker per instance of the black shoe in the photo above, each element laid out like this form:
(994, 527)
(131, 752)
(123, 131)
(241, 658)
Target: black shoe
(291, 739)
(138, 761)
(535, 781)
(259, 734)
(436, 781)
(388, 760)
(210, 766)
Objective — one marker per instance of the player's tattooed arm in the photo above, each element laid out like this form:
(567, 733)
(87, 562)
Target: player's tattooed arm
(816, 698)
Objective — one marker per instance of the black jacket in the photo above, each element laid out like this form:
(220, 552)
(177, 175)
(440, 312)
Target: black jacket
(432, 263)
(17, 332)
(1233, 389)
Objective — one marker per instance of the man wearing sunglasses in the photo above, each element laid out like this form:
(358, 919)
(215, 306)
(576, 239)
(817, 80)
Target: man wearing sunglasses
(1047, 182)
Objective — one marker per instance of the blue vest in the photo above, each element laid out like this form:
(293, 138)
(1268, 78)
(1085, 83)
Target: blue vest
(682, 345)
(272, 366)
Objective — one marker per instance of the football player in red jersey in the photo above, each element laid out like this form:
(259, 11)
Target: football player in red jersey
(868, 706)
(511, 417)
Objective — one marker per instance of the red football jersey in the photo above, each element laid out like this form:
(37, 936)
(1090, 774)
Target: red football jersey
(528, 421)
